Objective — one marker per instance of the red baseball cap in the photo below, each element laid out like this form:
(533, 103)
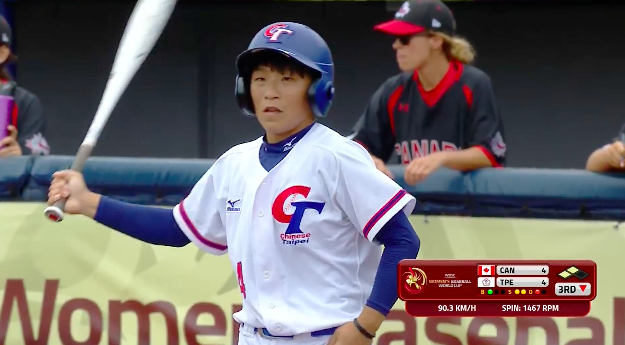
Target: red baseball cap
(416, 16)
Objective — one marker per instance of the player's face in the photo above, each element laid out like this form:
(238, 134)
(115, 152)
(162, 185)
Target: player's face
(412, 52)
(280, 101)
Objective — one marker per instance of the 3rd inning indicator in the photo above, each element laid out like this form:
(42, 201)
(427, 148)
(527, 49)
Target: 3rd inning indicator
(497, 288)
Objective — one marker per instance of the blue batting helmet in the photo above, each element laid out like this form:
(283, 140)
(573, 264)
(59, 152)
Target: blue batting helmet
(299, 42)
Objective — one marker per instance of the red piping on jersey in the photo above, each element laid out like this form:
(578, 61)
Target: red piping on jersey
(363, 145)
(390, 106)
(451, 77)
(489, 155)
(468, 94)
(383, 211)
(14, 116)
(196, 233)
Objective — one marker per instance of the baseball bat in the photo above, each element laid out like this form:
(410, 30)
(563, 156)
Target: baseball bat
(146, 23)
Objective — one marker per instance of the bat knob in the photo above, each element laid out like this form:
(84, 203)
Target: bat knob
(53, 213)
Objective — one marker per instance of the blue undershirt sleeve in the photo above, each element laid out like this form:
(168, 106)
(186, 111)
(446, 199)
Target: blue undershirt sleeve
(400, 242)
(148, 224)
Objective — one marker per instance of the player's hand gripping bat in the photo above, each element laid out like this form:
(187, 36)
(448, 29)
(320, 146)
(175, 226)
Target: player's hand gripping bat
(144, 27)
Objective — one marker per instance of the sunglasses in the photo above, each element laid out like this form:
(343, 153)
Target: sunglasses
(405, 39)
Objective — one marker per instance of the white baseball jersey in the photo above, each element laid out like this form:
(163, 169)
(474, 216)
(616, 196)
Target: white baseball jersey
(300, 236)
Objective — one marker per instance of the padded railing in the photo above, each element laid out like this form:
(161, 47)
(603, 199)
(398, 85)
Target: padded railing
(508, 192)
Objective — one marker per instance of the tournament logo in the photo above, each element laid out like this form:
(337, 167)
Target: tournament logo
(234, 205)
(274, 32)
(415, 280)
(288, 208)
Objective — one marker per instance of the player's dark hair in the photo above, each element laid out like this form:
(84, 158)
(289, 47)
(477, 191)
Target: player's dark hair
(5, 75)
(4, 71)
(277, 62)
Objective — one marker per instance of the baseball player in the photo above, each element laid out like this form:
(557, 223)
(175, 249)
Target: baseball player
(610, 157)
(23, 133)
(301, 211)
(439, 111)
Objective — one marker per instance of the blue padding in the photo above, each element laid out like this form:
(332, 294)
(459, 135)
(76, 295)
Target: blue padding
(523, 193)
(444, 182)
(549, 193)
(14, 173)
(142, 181)
(526, 193)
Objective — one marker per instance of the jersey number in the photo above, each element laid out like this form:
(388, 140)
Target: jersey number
(240, 278)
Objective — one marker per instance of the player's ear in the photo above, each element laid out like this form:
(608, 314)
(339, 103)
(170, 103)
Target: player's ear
(436, 41)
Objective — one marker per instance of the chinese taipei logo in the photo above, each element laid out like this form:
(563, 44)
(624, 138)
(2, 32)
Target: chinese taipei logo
(288, 208)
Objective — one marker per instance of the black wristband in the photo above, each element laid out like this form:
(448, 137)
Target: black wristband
(362, 329)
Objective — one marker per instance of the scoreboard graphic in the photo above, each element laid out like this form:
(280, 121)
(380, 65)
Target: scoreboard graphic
(513, 288)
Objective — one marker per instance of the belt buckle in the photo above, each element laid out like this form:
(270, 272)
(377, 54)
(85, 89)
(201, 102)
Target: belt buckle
(265, 333)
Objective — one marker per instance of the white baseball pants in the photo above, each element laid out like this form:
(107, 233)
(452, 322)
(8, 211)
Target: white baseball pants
(248, 336)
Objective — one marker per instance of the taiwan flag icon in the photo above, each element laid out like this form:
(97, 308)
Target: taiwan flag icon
(484, 270)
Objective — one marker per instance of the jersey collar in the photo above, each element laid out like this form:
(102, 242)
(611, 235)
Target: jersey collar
(286, 144)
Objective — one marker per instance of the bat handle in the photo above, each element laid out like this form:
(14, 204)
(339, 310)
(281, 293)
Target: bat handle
(56, 212)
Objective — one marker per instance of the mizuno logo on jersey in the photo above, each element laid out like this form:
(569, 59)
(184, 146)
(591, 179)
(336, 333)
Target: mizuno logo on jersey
(234, 205)
(288, 208)
(288, 146)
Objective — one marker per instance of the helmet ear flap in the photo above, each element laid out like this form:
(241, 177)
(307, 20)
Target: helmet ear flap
(243, 97)
(312, 96)
(320, 95)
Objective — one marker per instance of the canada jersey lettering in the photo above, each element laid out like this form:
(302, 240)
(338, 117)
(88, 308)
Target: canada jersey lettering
(407, 151)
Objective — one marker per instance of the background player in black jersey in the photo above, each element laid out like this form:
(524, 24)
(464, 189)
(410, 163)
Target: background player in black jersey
(27, 127)
(439, 111)
(610, 157)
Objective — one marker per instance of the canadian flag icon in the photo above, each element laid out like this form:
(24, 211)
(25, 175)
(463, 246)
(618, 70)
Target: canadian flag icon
(484, 270)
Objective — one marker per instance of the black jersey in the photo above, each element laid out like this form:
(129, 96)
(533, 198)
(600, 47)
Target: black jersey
(28, 118)
(459, 113)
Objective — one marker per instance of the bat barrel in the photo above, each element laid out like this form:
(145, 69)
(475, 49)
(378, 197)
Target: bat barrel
(142, 31)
